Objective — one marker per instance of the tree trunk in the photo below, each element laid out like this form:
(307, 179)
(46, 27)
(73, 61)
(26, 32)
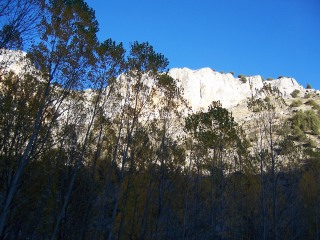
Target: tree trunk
(161, 179)
(273, 173)
(124, 160)
(75, 171)
(261, 156)
(186, 209)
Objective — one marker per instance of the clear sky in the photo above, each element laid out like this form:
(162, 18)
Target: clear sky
(270, 38)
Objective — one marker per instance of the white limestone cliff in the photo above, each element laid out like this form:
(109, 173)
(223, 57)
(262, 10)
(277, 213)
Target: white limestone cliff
(198, 87)
(201, 87)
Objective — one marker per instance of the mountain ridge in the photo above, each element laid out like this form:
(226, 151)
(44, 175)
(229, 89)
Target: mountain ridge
(199, 87)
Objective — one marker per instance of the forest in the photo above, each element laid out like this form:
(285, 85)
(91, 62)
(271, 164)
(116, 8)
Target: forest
(91, 148)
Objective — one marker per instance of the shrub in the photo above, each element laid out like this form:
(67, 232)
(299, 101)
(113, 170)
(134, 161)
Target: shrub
(316, 108)
(280, 77)
(232, 73)
(309, 86)
(307, 95)
(311, 102)
(311, 143)
(298, 134)
(296, 103)
(267, 99)
(295, 93)
(307, 121)
(270, 79)
(242, 78)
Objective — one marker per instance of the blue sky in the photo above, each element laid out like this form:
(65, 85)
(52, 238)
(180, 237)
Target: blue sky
(271, 38)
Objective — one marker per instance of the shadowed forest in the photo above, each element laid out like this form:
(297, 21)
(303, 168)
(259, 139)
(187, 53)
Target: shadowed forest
(90, 148)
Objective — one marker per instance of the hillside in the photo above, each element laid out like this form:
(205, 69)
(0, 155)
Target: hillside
(198, 89)
(182, 147)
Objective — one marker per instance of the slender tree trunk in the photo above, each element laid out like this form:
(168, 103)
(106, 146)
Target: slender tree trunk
(212, 188)
(124, 160)
(41, 204)
(96, 156)
(108, 179)
(273, 173)
(221, 185)
(126, 194)
(89, 201)
(161, 179)
(186, 209)
(123, 212)
(75, 172)
(261, 154)
(144, 223)
(128, 187)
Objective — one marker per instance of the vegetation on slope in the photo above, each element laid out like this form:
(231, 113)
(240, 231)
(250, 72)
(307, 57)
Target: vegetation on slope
(74, 166)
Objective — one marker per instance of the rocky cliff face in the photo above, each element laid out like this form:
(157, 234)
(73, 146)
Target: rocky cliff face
(198, 87)
(201, 87)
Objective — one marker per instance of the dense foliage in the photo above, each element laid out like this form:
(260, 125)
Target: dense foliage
(123, 160)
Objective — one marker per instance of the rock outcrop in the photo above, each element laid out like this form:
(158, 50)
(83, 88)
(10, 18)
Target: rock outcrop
(198, 87)
(201, 87)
